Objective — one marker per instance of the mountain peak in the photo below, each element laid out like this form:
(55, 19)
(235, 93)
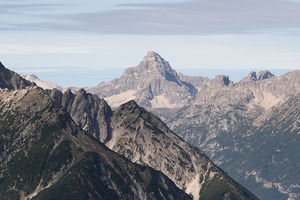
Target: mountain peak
(152, 65)
(34, 76)
(153, 55)
(153, 58)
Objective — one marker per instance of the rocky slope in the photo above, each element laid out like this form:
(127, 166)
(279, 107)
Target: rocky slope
(90, 112)
(218, 119)
(47, 152)
(44, 155)
(143, 138)
(227, 121)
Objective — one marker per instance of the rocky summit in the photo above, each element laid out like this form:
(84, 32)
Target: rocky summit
(153, 84)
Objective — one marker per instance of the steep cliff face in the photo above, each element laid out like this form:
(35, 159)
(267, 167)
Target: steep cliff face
(90, 113)
(44, 155)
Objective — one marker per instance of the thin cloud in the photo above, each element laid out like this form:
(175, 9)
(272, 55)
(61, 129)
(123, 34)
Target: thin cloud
(199, 17)
(32, 50)
(14, 8)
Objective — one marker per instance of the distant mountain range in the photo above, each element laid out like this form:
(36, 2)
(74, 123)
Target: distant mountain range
(49, 150)
(249, 128)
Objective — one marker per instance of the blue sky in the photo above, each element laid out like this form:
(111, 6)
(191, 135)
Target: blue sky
(83, 44)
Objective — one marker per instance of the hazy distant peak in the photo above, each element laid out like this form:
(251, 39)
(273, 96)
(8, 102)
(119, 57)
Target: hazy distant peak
(154, 61)
(34, 76)
(152, 65)
(43, 84)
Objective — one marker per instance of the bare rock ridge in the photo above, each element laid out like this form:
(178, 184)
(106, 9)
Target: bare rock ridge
(12, 80)
(143, 138)
(223, 118)
(90, 112)
(45, 155)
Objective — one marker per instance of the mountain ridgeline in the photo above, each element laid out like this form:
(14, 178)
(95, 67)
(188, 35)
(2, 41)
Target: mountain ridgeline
(153, 84)
(51, 147)
(143, 138)
(45, 155)
(250, 129)
(237, 125)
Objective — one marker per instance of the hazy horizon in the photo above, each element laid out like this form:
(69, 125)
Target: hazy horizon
(90, 78)
(191, 34)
